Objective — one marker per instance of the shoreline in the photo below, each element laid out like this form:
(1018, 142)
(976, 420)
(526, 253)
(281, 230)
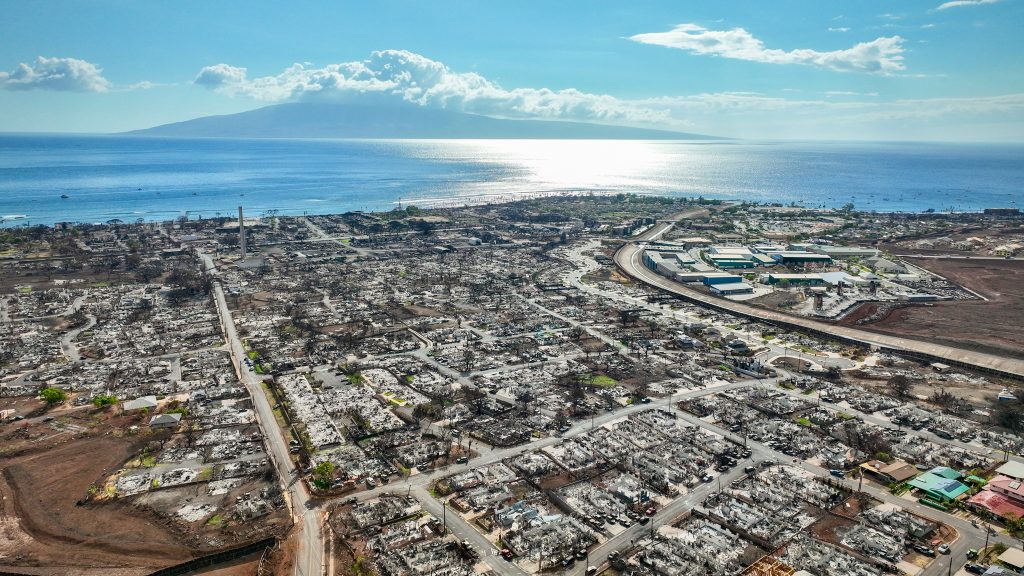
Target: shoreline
(483, 199)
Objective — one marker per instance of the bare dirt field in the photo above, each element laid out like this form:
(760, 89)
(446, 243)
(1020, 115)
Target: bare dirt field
(52, 460)
(41, 489)
(994, 326)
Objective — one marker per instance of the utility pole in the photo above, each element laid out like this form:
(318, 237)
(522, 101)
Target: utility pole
(444, 518)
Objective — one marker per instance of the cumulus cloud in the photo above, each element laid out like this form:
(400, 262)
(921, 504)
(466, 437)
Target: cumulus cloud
(882, 55)
(68, 74)
(959, 3)
(220, 75)
(408, 77)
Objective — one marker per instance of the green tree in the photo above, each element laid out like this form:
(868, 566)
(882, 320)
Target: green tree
(323, 474)
(104, 400)
(53, 396)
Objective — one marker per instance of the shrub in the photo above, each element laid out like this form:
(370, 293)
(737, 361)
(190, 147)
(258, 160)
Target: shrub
(53, 395)
(104, 400)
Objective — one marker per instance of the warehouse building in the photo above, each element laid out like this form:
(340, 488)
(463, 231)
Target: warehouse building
(716, 278)
(732, 289)
(794, 279)
(793, 257)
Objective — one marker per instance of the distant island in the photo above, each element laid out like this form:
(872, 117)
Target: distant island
(323, 120)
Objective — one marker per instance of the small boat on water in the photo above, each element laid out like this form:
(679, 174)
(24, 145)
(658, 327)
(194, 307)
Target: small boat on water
(65, 196)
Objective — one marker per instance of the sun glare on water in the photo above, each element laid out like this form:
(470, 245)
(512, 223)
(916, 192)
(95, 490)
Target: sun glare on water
(580, 163)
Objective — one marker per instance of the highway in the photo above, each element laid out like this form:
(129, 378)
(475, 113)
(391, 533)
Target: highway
(629, 261)
(970, 536)
(308, 514)
(309, 553)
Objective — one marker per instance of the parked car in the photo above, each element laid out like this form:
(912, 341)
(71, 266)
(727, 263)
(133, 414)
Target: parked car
(922, 549)
(975, 568)
(943, 549)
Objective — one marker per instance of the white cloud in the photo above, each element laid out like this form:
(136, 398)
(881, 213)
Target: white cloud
(852, 117)
(1009, 106)
(882, 55)
(832, 93)
(413, 78)
(959, 3)
(68, 74)
(839, 29)
(398, 76)
(143, 85)
(220, 75)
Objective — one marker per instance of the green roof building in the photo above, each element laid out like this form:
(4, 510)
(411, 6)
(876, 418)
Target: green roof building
(941, 484)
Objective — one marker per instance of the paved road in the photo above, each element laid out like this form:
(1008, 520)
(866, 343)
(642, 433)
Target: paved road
(885, 422)
(67, 344)
(417, 485)
(463, 531)
(628, 258)
(324, 236)
(309, 556)
(970, 536)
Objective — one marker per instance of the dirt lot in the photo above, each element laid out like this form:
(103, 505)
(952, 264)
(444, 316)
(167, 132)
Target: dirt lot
(49, 462)
(995, 326)
(42, 488)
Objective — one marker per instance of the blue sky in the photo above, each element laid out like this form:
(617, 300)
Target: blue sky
(907, 70)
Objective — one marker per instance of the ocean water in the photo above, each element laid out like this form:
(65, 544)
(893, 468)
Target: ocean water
(125, 178)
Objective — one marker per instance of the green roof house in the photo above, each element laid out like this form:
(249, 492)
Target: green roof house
(940, 483)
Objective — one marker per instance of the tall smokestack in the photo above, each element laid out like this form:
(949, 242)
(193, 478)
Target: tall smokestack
(241, 231)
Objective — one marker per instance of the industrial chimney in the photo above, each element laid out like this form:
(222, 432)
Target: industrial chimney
(241, 231)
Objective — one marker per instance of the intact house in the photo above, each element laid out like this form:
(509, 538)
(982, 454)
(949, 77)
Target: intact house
(170, 420)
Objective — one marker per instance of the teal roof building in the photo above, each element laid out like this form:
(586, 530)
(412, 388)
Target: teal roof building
(940, 483)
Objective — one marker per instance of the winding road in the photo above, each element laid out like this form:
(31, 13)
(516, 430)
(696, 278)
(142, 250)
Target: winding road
(629, 260)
